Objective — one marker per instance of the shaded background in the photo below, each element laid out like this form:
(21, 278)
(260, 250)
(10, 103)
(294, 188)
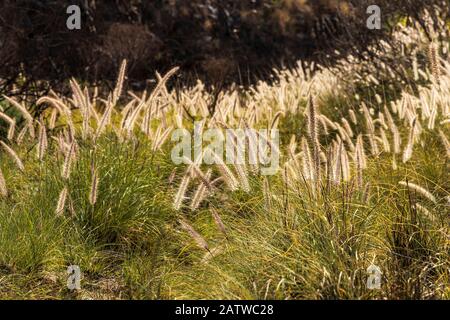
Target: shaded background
(218, 41)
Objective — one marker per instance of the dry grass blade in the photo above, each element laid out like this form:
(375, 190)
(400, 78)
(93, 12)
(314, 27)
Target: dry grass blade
(445, 143)
(78, 96)
(193, 167)
(219, 223)
(104, 120)
(407, 153)
(162, 83)
(21, 136)
(201, 242)
(61, 201)
(425, 211)
(3, 188)
(347, 127)
(275, 119)
(13, 155)
(420, 190)
(433, 58)
(180, 195)
(226, 173)
(307, 163)
(21, 108)
(12, 125)
(119, 84)
(213, 253)
(94, 188)
(202, 191)
(161, 139)
(360, 153)
(42, 142)
(313, 136)
(59, 105)
(68, 162)
(243, 177)
(394, 130)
